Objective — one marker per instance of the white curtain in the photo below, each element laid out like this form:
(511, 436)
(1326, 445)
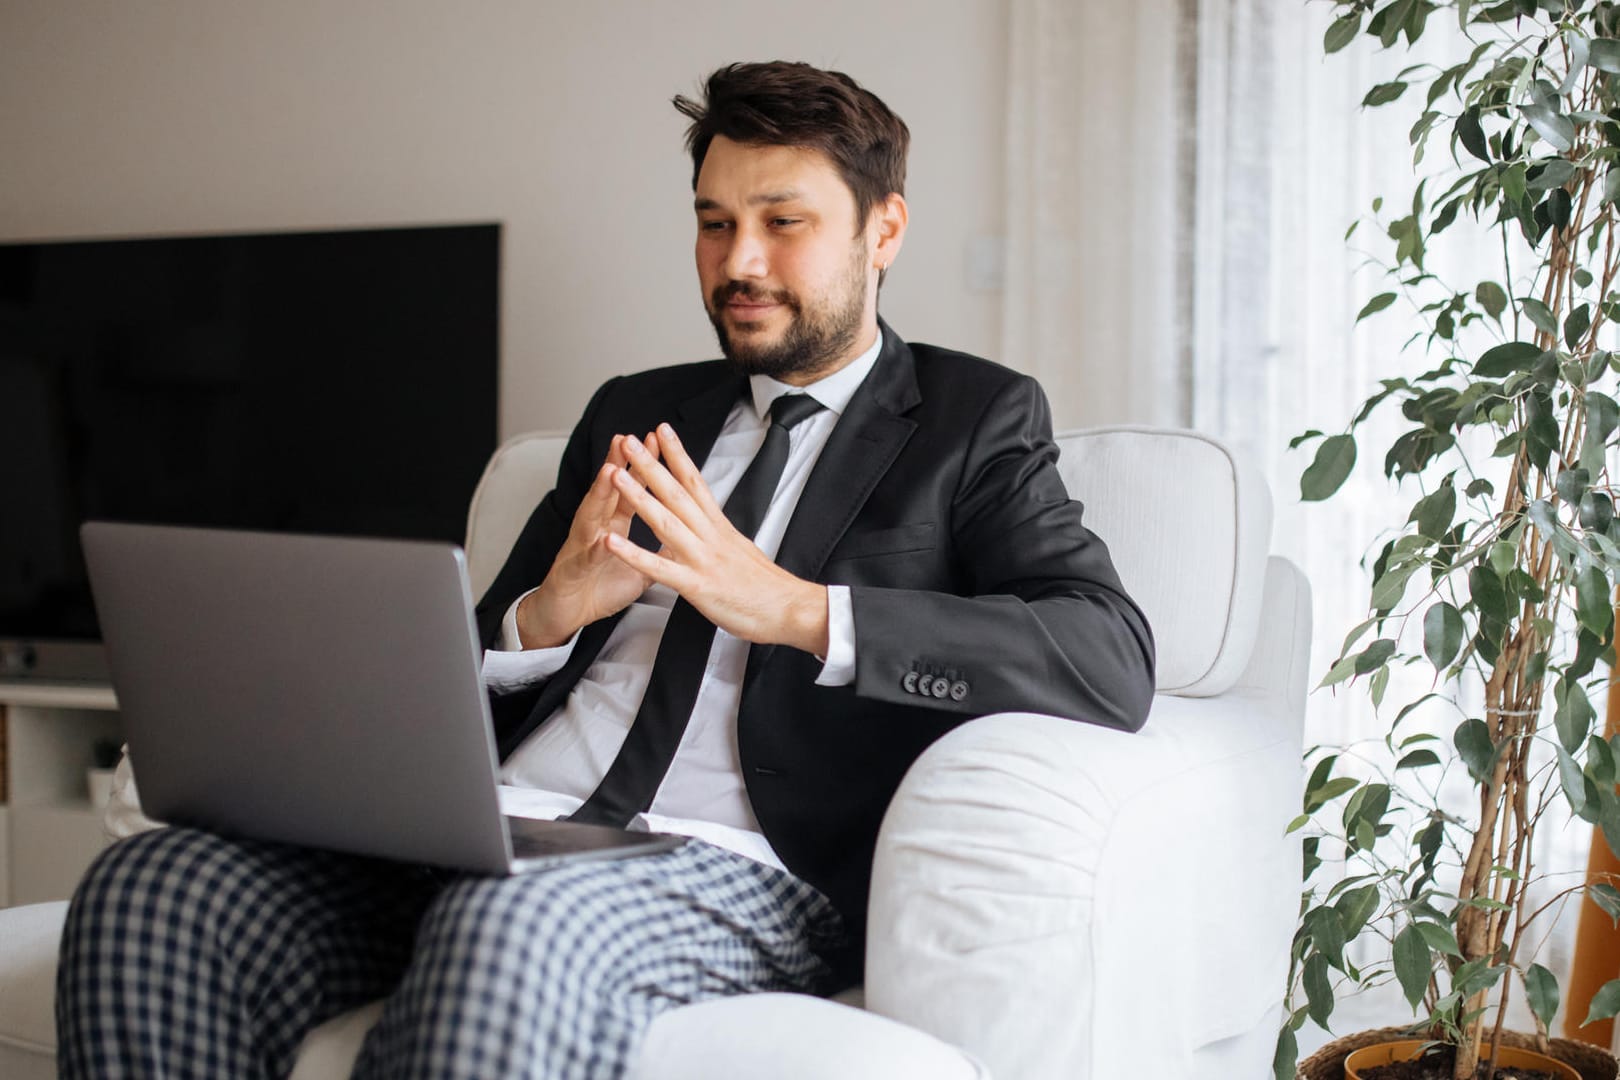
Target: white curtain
(1094, 298)
(1181, 175)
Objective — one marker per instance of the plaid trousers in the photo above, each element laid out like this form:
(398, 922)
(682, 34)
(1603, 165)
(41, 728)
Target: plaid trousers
(189, 955)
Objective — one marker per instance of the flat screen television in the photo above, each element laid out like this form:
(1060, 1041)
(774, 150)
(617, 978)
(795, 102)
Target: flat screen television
(338, 382)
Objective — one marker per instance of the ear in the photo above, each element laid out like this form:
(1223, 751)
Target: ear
(887, 229)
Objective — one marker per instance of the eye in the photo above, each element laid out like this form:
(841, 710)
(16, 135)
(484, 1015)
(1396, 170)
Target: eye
(713, 226)
(784, 222)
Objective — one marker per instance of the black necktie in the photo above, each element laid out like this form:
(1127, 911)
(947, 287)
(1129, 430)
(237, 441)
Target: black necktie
(649, 746)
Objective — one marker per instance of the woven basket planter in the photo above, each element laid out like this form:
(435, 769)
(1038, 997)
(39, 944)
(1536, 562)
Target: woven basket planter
(1593, 1063)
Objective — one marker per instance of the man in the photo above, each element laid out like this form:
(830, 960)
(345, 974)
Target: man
(761, 587)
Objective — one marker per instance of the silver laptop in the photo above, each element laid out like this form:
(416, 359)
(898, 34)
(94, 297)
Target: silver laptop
(315, 690)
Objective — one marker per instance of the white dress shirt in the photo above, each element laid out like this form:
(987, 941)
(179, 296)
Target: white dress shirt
(560, 764)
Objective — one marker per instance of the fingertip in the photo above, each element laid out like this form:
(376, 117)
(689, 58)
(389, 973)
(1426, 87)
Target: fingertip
(667, 432)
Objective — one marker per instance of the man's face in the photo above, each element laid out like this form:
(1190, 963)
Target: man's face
(787, 278)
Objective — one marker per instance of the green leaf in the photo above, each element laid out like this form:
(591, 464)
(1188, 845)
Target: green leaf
(1606, 897)
(1439, 938)
(1492, 298)
(1550, 173)
(1602, 417)
(1550, 124)
(1341, 33)
(1473, 742)
(1574, 716)
(1573, 780)
(1604, 54)
(1383, 94)
(1596, 511)
(1412, 964)
(1600, 762)
(1580, 52)
(1541, 988)
(1468, 132)
(1318, 990)
(1326, 930)
(1376, 304)
(1433, 512)
(1571, 484)
(1320, 797)
(1418, 759)
(1356, 907)
(1285, 1061)
(1515, 182)
(1593, 606)
(1505, 359)
(1443, 632)
(1537, 313)
(1611, 185)
(1374, 656)
(1390, 587)
(1378, 685)
(1503, 555)
(1605, 1003)
(1575, 327)
(1485, 589)
(1334, 460)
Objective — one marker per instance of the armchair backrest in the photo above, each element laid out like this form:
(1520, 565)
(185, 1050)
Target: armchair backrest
(1188, 525)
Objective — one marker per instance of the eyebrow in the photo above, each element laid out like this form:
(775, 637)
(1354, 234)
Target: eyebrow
(769, 198)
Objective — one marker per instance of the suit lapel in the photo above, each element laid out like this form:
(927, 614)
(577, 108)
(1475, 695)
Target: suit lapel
(868, 437)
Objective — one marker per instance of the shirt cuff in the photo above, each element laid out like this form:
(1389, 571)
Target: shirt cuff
(509, 666)
(839, 667)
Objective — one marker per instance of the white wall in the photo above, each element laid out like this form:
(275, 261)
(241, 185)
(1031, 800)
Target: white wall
(174, 116)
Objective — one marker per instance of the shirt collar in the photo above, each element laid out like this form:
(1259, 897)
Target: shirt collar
(833, 391)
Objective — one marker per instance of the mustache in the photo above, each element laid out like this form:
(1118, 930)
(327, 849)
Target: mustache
(743, 290)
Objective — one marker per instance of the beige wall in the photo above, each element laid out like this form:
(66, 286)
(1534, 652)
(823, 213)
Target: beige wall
(168, 116)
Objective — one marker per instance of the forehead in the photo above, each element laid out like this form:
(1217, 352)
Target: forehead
(739, 174)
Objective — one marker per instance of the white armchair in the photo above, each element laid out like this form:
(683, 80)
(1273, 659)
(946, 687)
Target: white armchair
(1050, 899)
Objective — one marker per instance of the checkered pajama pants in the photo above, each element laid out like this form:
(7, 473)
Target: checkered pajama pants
(188, 955)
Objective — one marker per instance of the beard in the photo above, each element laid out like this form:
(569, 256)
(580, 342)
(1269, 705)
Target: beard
(818, 334)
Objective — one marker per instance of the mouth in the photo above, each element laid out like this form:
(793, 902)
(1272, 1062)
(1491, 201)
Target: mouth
(750, 310)
(745, 306)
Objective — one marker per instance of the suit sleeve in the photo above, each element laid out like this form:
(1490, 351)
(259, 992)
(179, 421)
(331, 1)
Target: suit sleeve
(1036, 620)
(543, 535)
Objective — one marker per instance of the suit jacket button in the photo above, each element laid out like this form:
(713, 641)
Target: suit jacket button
(959, 690)
(910, 682)
(942, 686)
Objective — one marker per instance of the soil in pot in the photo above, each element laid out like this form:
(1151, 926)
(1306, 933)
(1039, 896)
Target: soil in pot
(1437, 1066)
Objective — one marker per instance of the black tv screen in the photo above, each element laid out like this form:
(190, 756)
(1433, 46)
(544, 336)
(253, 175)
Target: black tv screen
(323, 382)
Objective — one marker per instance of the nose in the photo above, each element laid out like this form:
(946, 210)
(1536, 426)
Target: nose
(745, 257)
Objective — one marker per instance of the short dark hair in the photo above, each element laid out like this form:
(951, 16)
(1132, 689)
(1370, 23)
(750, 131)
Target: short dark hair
(781, 103)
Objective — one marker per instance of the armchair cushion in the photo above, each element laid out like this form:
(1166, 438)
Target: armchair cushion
(28, 938)
(1188, 524)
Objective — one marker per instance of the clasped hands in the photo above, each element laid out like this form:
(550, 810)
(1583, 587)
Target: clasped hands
(703, 557)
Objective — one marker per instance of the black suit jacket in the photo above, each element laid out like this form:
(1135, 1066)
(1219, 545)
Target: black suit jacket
(975, 589)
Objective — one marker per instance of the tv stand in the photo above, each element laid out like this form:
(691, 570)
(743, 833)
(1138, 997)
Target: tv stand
(49, 831)
(70, 662)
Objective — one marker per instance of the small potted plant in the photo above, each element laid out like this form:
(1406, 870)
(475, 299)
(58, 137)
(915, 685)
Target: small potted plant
(1497, 587)
(98, 778)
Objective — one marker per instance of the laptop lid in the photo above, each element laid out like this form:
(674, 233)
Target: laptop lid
(312, 690)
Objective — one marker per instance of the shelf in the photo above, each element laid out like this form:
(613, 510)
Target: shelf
(51, 695)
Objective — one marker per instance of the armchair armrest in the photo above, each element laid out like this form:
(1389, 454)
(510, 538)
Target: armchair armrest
(1061, 899)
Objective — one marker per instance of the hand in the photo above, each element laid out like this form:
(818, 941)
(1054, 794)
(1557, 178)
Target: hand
(705, 559)
(586, 582)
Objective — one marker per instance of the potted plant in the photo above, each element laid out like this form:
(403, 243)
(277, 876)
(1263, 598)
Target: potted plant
(1498, 585)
